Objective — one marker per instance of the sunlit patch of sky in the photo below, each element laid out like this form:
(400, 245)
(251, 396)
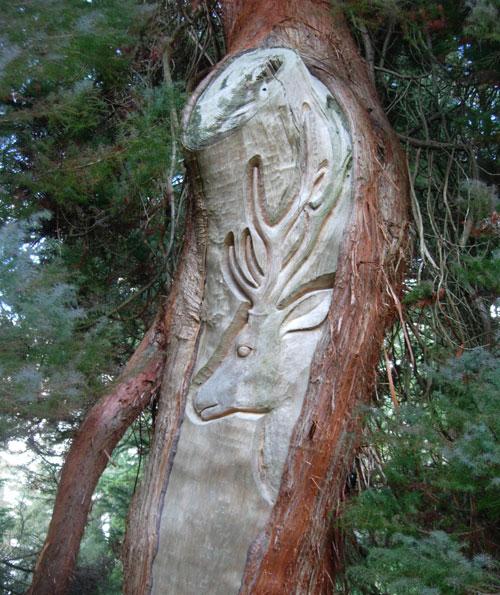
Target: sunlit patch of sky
(16, 456)
(8, 312)
(106, 524)
(28, 247)
(177, 180)
(495, 310)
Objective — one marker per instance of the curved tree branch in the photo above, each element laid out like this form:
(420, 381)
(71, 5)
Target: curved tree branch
(434, 144)
(88, 456)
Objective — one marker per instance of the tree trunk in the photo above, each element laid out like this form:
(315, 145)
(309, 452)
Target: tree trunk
(293, 551)
(292, 477)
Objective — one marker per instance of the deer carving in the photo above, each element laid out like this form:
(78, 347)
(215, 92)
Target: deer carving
(262, 364)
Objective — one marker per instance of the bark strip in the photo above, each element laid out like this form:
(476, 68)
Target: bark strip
(140, 544)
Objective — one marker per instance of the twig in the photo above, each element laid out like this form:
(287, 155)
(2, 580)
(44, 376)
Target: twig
(434, 144)
(391, 382)
(109, 458)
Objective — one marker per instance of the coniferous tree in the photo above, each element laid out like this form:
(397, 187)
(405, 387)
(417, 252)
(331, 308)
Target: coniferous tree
(92, 204)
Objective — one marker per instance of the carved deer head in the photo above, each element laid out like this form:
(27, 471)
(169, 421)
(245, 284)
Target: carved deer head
(265, 357)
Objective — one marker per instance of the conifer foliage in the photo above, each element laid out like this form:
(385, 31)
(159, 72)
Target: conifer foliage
(91, 215)
(91, 228)
(423, 517)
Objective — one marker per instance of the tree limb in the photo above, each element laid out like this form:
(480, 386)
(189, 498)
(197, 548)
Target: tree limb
(434, 144)
(88, 456)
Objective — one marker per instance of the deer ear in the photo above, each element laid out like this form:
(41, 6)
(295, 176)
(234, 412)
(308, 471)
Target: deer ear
(307, 312)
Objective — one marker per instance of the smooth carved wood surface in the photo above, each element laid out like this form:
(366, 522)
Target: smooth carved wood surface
(141, 541)
(274, 157)
(296, 552)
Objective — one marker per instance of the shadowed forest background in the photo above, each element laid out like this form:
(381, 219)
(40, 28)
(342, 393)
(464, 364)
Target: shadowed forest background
(92, 208)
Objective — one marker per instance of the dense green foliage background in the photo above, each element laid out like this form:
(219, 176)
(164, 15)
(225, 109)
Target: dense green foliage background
(90, 238)
(92, 209)
(423, 516)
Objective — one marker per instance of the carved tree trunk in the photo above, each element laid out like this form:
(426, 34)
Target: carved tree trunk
(299, 196)
(268, 342)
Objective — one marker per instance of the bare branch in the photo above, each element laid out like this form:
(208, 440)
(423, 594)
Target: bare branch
(434, 144)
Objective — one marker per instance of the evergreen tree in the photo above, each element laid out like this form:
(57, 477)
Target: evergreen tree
(92, 211)
(92, 208)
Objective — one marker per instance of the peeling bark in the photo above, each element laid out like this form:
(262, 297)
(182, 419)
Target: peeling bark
(294, 554)
(141, 540)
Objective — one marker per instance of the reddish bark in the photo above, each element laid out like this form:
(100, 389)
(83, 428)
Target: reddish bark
(294, 552)
(139, 547)
(248, 22)
(87, 458)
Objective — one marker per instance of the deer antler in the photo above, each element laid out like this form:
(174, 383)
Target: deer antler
(289, 240)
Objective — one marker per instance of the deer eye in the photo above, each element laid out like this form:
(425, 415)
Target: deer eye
(243, 350)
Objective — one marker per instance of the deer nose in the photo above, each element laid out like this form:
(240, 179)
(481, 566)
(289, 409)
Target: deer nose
(203, 402)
